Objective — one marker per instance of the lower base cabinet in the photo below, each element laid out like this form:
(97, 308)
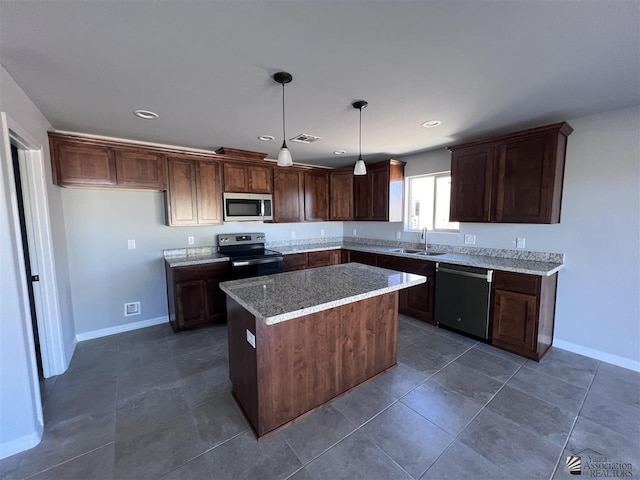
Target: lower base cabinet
(523, 313)
(302, 261)
(194, 295)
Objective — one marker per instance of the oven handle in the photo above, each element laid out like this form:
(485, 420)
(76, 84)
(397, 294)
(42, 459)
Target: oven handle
(244, 263)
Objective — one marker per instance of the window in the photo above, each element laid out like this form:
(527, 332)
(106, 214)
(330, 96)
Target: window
(429, 197)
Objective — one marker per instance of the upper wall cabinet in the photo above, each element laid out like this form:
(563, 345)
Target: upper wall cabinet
(248, 178)
(341, 195)
(378, 195)
(85, 162)
(514, 178)
(316, 196)
(288, 195)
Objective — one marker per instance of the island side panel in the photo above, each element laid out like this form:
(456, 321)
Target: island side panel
(243, 359)
(370, 338)
(298, 366)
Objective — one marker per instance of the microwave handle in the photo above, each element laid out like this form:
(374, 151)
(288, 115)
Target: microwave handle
(262, 208)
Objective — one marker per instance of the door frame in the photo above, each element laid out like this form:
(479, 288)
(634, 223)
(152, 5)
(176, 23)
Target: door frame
(37, 219)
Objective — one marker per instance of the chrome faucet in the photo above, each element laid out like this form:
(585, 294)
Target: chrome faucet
(425, 236)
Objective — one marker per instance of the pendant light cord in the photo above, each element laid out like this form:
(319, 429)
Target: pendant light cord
(360, 137)
(284, 135)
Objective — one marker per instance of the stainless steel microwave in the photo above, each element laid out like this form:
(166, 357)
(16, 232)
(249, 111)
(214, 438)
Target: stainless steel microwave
(246, 207)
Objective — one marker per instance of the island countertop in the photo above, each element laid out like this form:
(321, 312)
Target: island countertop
(284, 296)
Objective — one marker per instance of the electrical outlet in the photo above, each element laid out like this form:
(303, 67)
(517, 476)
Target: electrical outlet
(355, 232)
(132, 308)
(519, 242)
(322, 232)
(469, 239)
(293, 235)
(131, 244)
(190, 240)
(398, 235)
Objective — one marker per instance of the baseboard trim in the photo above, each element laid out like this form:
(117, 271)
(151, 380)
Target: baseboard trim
(20, 444)
(598, 355)
(127, 327)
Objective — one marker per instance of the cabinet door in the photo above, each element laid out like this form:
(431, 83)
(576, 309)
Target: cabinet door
(138, 169)
(295, 261)
(316, 196)
(190, 304)
(336, 257)
(362, 197)
(288, 195)
(319, 259)
(341, 196)
(260, 179)
(471, 184)
(215, 300)
(181, 195)
(363, 257)
(236, 178)
(514, 321)
(209, 196)
(525, 180)
(379, 196)
(84, 165)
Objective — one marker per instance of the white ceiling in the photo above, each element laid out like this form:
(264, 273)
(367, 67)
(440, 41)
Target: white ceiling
(482, 67)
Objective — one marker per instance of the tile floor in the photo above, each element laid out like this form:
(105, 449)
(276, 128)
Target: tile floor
(152, 404)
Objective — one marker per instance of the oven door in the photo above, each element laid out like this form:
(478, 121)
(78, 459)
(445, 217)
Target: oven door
(255, 267)
(242, 207)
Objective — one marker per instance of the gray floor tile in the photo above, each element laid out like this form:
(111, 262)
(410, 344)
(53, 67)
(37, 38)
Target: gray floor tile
(196, 469)
(552, 390)
(90, 374)
(206, 385)
(490, 365)
(622, 384)
(400, 380)
(540, 418)
(447, 409)
(317, 432)
(497, 352)
(467, 382)
(150, 410)
(219, 420)
(409, 334)
(245, 457)
(301, 474)
(570, 367)
(408, 438)
(362, 403)
(63, 403)
(95, 465)
(422, 359)
(60, 443)
(427, 327)
(189, 342)
(505, 443)
(448, 345)
(606, 411)
(139, 380)
(156, 452)
(141, 357)
(355, 457)
(455, 336)
(46, 387)
(201, 360)
(588, 472)
(461, 462)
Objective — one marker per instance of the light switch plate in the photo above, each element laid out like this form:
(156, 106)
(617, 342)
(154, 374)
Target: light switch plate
(520, 242)
(293, 235)
(398, 235)
(355, 232)
(251, 338)
(322, 232)
(190, 240)
(469, 239)
(131, 244)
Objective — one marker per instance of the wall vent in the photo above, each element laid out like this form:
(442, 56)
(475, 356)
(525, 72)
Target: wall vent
(132, 308)
(305, 138)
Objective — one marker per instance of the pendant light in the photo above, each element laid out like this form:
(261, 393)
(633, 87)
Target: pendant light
(360, 168)
(284, 155)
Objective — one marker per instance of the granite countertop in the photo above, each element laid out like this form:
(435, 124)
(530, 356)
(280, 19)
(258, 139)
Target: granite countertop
(194, 259)
(284, 296)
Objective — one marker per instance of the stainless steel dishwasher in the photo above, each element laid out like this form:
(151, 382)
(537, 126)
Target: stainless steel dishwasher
(463, 298)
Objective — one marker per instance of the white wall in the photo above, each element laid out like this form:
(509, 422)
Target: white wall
(598, 302)
(105, 274)
(20, 411)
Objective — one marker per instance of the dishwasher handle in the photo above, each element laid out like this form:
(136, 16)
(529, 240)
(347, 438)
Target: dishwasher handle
(488, 277)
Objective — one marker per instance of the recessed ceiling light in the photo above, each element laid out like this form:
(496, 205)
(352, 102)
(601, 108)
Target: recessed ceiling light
(339, 152)
(432, 123)
(145, 114)
(265, 138)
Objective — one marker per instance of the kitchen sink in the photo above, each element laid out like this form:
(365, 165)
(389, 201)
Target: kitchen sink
(413, 251)
(429, 254)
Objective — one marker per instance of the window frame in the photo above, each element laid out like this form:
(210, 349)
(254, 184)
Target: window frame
(435, 176)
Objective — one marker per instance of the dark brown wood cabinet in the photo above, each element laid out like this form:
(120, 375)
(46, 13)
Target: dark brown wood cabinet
(316, 196)
(247, 178)
(295, 261)
(341, 195)
(379, 195)
(417, 302)
(194, 296)
(365, 258)
(320, 259)
(514, 178)
(194, 196)
(523, 313)
(288, 195)
(140, 169)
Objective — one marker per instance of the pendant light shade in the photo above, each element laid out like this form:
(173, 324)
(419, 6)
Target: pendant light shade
(284, 155)
(360, 168)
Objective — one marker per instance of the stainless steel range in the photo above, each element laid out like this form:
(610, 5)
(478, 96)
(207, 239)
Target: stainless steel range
(248, 256)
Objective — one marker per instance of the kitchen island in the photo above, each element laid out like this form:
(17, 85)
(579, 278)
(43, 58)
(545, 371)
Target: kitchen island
(299, 339)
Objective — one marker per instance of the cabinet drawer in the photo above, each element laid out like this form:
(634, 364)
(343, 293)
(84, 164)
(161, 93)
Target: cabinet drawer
(420, 267)
(295, 261)
(517, 282)
(201, 272)
(319, 259)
